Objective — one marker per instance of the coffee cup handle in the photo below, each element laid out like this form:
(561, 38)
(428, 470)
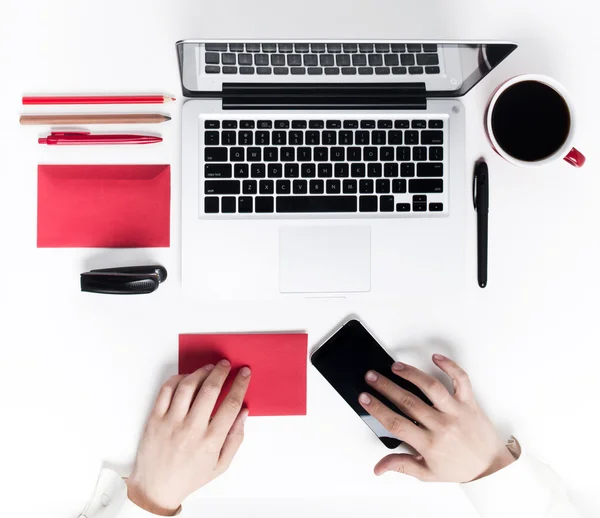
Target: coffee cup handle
(575, 158)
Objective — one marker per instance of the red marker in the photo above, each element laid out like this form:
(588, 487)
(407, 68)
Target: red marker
(84, 137)
(99, 99)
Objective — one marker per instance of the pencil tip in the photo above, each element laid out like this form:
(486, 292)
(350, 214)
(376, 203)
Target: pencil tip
(173, 99)
(167, 118)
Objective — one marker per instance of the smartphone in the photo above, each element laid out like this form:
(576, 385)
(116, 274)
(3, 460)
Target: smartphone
(345, 358)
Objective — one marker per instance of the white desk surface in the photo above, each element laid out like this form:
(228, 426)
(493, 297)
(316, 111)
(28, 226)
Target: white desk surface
(78, 372)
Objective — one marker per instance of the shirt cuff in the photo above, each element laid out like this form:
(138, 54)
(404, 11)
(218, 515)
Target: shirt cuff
(110, 500)
(514, 491)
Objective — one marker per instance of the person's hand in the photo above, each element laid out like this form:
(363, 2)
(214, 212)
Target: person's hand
(456, 442)
(182, 447)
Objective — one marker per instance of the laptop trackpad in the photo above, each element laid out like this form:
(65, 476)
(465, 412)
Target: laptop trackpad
(324, 259)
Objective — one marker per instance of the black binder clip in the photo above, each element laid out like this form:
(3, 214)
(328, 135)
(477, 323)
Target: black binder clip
(128, 280)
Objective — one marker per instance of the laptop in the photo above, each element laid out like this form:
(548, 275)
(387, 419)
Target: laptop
(325, 169)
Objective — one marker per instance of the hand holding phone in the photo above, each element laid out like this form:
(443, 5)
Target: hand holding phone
(456, 441)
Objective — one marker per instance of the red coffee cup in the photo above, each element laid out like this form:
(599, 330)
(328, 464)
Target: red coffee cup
(530, 122)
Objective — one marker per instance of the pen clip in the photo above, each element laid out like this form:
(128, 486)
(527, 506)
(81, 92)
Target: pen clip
(475, 188)
(68, 133)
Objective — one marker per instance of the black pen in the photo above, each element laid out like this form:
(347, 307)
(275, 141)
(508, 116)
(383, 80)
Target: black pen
(481, 202)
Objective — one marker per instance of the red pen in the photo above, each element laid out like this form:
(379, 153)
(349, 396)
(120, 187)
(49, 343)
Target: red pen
(99, 99)
(58, 138)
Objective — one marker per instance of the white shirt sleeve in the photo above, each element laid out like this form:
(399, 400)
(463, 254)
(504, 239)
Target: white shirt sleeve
(526, 488)
(110, 500)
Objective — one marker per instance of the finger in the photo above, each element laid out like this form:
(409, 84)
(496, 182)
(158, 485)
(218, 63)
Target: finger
(165, 395)
(232, 443)
(463, 391)
(411, 465)
(410, 404)
(186, 391)
(394, 423)
(232, 404)
(431, 387)
(209, 392)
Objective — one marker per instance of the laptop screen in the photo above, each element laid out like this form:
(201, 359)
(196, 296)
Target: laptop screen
(438, 69)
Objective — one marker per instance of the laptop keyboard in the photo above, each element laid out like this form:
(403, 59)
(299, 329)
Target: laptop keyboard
(289, 166)
(321, 58)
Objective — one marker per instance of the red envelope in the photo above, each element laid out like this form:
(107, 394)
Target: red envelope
(106, 206)
(278, 363)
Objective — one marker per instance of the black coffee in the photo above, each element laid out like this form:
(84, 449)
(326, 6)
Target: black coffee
(531, 121)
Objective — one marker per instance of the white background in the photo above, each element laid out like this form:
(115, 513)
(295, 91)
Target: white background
(78, 372)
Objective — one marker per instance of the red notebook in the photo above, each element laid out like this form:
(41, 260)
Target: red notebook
(278, 363)
(104, 206)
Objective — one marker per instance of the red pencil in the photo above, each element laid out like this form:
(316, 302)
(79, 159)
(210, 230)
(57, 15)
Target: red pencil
(99, 99)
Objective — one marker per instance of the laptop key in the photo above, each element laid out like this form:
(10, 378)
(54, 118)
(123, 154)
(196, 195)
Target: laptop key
(359, 60)
(365, 186)
(326, 60)
(249, 186)
(346, 138)
(228, 59)
(252, 47)
(432, 70)
(218, 47)
(413, 47)
(358, 170)
(315, 71)
(217, 171)
(402, 154)
(266, 187)
(240, 170)
(353, 154)
(304, 154)
(349, 124)
(365, 47)
(427, 59)
(411, 137)
(399, 70)
(382, 186)
(286, 47)
(334, 47)
(298, 71)
(296, 137)
(310, 60)
(211, 205)
(294, 60)
(212, 69)
(228, 205)
(401, 124)
(391, 60)
(301, 47)
(378, 137)
(292, 170)
(264, 204)
(407, 60)
(342, 170)
(236, 154)
(247, 124)
(398, 47)
(261, 59)
(395, 137)
(332, 71)
(288, 154)
(382, 47)
(211, 58)
(430, 170)
(317, 186)
(211, 138)
(329, 138)
(230, 70)
(375, 60)
(299, 125)
(436, 153)
(415, 70)
(233, 124)
(386, 203)
(308, 204)
(386, 154)
(265, 71)
(284, 187)
(277, 59)
(399, 186)
(370, 154)
(245, 204)
(258, 170)
(271, 154)
(350, 187)
(300, 187)
(390, 170)
(236, 47)
(215, 154)
(222, 187)
(432, 137)
(374, 170)
(382, 71)
(321, 154)
(247, 70)
(333, 186)
(309, 170)
(317, 47)
(425, 186)
(275, 171)
(419, 154)
(429, 47)
(365, 71)
(342, 60)
(349, 71)
(269, 47)
(350, 47)
(407, 170)
(402, 207)
(368, 203)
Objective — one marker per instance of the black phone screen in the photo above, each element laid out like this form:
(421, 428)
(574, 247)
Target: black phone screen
(345, 358)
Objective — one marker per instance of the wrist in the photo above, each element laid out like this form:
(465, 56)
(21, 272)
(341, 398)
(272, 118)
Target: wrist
(144, 501)
(501, 461)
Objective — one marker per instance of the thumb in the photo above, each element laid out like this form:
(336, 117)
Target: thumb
(412, 465)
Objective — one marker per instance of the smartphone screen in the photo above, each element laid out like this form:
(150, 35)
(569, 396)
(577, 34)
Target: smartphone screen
(345, 358)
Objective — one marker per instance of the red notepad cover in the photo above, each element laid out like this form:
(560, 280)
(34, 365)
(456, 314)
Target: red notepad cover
(106, 206)
(278, 363)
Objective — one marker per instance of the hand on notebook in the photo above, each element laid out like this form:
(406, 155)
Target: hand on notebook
(456, 441)
(182, 448)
